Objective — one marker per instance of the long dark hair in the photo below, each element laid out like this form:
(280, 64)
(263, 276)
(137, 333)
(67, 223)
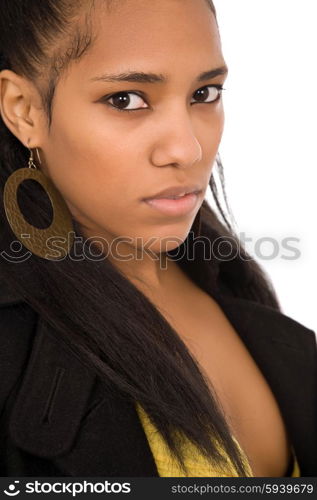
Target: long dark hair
(93, 307)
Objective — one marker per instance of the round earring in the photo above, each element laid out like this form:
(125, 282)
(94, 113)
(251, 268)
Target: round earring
(33, 238)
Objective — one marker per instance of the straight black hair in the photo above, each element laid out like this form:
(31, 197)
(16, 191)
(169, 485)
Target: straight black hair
(114, 328)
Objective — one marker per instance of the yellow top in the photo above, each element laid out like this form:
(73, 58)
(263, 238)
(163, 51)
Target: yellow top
(197, 465)
(296, 469)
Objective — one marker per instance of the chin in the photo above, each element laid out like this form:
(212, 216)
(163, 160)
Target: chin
(165, 241)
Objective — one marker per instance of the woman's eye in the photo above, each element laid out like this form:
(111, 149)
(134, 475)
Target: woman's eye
(123, 99)
(211, 93)
(130, 101)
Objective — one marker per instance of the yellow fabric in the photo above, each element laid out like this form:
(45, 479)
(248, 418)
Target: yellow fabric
(197, 465)
(296, 470)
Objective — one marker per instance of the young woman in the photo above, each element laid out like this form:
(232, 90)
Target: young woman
(130, 345)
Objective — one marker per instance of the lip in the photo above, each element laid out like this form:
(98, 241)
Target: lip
(175, 208)
(177, 190)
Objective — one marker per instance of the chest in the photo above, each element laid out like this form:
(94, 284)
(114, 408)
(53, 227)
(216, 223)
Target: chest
(248, 403)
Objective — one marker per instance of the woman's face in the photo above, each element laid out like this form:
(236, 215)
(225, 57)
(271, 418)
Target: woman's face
(105, 155)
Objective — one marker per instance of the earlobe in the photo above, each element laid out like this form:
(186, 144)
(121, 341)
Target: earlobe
(16, 105)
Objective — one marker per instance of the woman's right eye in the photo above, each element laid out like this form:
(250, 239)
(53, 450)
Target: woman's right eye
(122, 99)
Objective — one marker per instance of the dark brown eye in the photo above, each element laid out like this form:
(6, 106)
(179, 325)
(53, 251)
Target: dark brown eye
(211, 93)
(122, 100)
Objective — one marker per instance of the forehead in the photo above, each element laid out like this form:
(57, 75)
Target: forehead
(166, 33)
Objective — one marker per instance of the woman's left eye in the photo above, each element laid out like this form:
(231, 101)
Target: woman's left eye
(211, 92)
(205, 95)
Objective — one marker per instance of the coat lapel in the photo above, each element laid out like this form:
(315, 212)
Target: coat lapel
(64, 414)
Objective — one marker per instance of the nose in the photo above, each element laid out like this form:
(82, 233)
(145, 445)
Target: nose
(176, 142)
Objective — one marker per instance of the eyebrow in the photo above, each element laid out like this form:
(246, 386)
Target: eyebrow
(141, 77)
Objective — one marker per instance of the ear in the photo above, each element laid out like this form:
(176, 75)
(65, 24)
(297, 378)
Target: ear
(20, 107)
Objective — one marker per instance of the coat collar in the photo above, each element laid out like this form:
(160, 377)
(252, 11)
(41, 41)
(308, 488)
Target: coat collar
(63, 413)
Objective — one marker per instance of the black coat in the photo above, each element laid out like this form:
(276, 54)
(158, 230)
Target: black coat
(57, 421)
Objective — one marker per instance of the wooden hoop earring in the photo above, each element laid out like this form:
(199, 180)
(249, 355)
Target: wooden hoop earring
(33, 238)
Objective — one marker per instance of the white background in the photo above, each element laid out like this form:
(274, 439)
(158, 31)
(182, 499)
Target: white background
(269, 144)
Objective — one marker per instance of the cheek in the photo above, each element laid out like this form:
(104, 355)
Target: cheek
(90, 171)
(211, 133)
(210, 127)
(219, 122)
